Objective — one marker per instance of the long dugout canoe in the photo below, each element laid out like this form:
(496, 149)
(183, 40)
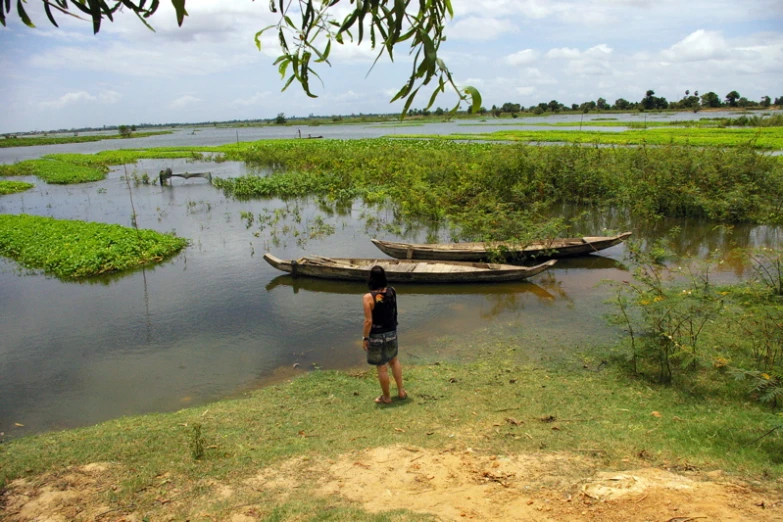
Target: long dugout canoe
(405, 271)
(473, 252)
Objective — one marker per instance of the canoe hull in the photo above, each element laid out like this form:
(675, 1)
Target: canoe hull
(473, 252)
(405, 271)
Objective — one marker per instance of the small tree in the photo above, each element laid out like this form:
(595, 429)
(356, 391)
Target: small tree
(732, 98)
(280, 120)
(710, 100)
(124, 131)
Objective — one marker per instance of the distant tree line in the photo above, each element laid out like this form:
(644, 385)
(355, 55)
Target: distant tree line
(690, 101)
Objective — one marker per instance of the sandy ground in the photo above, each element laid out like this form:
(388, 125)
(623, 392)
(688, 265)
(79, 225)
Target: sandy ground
(450, 484)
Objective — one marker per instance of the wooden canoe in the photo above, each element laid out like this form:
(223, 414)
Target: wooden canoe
(551, 248)
(405, 271)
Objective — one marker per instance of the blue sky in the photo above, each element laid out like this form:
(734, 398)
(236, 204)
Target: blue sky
(519, 51)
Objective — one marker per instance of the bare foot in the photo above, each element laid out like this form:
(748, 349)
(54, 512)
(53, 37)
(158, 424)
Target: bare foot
(383, 400)
(403, 395)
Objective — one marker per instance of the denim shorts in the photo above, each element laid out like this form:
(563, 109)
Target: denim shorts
(382, 348)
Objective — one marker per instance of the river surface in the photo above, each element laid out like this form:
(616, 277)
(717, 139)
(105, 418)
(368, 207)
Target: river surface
(216, 320)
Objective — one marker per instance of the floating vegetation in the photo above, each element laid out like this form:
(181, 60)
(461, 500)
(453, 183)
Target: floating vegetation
(285, 223)
(72, 249)
(498, 191)
(12, 187)
(769, 138)
(57, 171)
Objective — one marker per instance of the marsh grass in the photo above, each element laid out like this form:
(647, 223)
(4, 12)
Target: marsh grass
(12, 187)
(494, 191)
(769, 138)
(76, 249)
(322, 414)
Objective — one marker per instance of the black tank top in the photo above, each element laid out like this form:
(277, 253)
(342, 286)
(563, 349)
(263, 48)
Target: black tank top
(384, 313)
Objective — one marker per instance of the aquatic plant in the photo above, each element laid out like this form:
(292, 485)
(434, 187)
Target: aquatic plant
(12, 187)
(57, 171)
(76, 249)
(495, 191)
(769, 138)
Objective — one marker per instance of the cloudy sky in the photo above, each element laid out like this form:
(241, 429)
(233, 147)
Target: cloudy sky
(519, 51)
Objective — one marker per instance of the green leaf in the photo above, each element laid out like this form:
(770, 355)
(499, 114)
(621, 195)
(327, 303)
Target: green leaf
(323, 57)
(258, 35)
(449, 8)
(23, 15)
(439, 89)
(404, 91)
(475, 97)
(409, 101)
(290, 79)
(283, 66)
(179, 6)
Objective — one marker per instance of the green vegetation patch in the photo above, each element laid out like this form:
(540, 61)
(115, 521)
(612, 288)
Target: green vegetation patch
(57, 171)
(496, 191)
(76, 249)
(769, 138)
(83, 168)
(56, 140)
(12, 187)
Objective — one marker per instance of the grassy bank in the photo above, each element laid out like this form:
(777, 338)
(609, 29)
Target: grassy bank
(76, 249)
(58, 140)
(494, 406)
(12, 187)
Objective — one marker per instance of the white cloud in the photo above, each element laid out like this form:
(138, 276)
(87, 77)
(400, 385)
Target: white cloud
(563, 52)
(697, 46)
(184, 101)
(73, 98)
(480, 29)
(258, 98)
(524, 57)
(147, 60)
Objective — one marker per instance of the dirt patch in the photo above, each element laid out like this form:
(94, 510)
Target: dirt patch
(74, 494)
(542, 487)
(451, 484)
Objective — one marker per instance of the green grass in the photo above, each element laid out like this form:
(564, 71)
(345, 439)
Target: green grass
(12, 187)
(57, 171)
(324, 414)
(76, 249)
(56, 140)
(768, 138)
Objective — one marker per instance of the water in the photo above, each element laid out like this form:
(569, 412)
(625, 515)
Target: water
(210, 136)
(217, 320)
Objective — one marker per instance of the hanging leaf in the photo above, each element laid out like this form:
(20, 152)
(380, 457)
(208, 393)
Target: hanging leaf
(179, 7)
(23, 15)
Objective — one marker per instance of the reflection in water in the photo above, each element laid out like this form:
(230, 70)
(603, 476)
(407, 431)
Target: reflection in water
(311, 284)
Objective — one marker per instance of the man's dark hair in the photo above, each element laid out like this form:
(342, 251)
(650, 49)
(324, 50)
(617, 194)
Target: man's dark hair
(377, 279)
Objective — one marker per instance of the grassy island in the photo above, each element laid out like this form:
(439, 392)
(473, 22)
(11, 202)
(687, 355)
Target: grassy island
(76, 249)
(12, 187)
